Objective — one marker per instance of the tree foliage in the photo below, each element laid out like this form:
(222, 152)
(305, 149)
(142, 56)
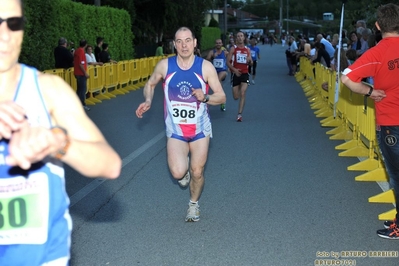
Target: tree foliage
(48, 20)
(153, 20)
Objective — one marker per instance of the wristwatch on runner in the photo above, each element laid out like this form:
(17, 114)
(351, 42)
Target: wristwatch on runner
(61, 152)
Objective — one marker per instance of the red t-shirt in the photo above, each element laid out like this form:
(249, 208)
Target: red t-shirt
(382, 63)
(240, 58)
(79, 58)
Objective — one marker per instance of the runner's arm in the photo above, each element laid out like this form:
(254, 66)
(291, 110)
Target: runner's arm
(209, 57)
(148, 91)
(87, 152)
(229, 57)
(218, 96)
(249, 58)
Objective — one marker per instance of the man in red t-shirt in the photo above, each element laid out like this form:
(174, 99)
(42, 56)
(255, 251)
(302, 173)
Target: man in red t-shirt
(238, 60)
(80, 71)
(382, 64)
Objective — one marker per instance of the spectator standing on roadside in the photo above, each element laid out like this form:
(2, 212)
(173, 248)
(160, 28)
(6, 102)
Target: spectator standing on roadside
(81, 74)
(90, 58)
(105, 57)
(63, 57)
(159, 50)
(379, 63)
(98, 48)
(327, 45)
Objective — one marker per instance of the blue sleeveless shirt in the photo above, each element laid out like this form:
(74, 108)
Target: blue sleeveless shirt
(36, 224)
(219, 61)
(185, 116)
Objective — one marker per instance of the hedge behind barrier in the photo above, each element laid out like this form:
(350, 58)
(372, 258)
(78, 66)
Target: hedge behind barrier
(209, 35)
(48, 20)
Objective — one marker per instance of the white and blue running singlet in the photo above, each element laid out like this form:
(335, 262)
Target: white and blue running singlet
(184, 115)
(35, 224)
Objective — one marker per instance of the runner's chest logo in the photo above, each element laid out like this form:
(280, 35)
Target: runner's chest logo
(185, 90)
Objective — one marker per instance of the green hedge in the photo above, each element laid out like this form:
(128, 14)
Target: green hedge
(48, 20)
(209, 35)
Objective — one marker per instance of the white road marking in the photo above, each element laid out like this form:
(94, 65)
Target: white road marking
(78, 196)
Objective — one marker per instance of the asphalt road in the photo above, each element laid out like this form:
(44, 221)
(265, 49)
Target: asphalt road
(276, 191)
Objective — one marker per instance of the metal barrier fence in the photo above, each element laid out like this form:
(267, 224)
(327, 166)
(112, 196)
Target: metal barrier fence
(352, 119)
(107, 81)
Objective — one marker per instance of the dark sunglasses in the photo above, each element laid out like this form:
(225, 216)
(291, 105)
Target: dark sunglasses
(14, 23)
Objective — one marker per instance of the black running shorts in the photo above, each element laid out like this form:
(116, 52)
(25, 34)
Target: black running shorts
(243, 78)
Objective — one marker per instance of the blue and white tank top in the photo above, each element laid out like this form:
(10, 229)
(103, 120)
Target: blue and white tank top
(36, 224)
(254, 52)
(219, 61)
(184, 115)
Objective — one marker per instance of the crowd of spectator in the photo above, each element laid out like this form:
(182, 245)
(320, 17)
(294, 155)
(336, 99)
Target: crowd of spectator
(79, 59)
(64, 53)
(324, 48)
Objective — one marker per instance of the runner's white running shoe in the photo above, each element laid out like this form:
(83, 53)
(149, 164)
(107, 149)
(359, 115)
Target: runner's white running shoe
(187, 177)
(185, 180)
(193, 212)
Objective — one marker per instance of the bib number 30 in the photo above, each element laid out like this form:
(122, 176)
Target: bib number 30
(14, 214)
(24, 209)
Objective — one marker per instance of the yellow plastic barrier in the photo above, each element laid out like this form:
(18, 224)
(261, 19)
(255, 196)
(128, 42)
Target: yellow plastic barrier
(70, 78)
(58, 71)
(151, 64)
(111, 79)
(95, 85)
(134, 68)
(324, 110)
(362, 149)
(123, 76)
(144, 70)
(354, 120)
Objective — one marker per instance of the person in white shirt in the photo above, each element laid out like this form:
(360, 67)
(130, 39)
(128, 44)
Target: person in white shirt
(90, 58)
(328, 46)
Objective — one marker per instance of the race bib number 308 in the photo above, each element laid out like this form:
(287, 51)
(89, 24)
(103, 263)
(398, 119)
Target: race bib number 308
(24, 210)
(184, 113)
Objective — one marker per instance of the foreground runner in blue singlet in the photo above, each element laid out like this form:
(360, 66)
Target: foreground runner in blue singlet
(42, 124)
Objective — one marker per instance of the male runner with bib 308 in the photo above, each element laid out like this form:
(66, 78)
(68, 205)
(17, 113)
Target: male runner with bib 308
(42, 124)
(238, 60)
(186, 82)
